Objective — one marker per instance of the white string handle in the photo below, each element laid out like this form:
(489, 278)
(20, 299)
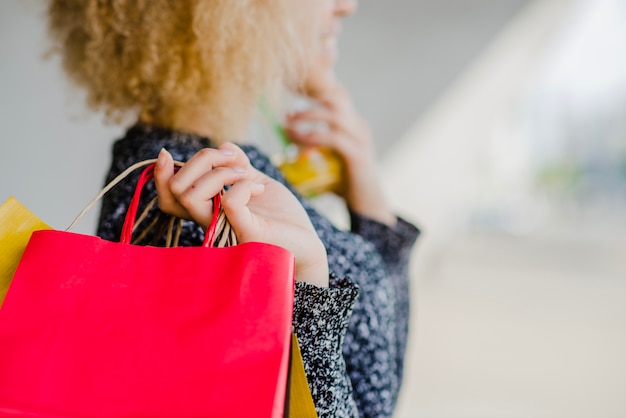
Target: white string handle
(109, 186)
(224, 230)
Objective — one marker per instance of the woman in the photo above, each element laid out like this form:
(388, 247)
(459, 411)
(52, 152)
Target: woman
(191, 72)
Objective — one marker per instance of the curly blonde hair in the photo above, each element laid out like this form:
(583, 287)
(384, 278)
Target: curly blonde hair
(159, 57)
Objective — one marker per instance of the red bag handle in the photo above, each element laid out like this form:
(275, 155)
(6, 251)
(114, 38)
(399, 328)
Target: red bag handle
(131, 214)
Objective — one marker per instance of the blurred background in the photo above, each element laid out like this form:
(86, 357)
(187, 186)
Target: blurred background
(501, 128)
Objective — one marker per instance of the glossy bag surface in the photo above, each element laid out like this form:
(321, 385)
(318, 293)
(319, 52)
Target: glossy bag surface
(93, 328)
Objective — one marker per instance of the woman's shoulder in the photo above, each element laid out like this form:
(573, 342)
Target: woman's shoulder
(143, 141)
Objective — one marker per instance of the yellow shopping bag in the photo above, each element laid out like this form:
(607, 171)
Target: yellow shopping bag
(300, 403)
(17, 224)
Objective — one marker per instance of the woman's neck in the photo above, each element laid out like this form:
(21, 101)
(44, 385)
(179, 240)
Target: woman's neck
(198, 121)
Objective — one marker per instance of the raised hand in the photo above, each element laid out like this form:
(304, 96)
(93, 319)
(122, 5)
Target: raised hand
(349, 135)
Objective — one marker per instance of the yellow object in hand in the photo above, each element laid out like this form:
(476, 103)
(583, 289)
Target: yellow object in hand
(314, 171)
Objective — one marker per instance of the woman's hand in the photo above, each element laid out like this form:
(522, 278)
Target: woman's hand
(348, 135)
(259, 208)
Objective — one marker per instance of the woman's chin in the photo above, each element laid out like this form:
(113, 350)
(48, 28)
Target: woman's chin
(318, 82)
(322, 72)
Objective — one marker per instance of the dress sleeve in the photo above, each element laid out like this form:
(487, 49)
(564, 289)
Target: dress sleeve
(115, 203)
(320, 320)
(380, 321)
(394, 244)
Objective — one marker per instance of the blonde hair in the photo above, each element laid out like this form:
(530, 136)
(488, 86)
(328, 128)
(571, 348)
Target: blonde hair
(162, 56)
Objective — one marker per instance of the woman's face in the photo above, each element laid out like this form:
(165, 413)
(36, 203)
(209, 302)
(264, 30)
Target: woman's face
(332, 12)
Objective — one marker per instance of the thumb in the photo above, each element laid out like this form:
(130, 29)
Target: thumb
(163, 173)
(235, 203)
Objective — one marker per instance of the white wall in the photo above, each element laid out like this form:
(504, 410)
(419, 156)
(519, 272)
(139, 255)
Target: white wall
(440, 166)
(398, 56)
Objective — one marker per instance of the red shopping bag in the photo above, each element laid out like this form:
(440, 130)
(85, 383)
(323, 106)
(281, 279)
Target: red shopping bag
(92, 328)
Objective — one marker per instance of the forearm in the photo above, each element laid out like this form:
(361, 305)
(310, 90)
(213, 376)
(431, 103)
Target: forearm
(364, 194)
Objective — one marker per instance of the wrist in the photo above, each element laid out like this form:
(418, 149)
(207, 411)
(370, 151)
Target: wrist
(317, 276)
(365, 197)
(315, 269)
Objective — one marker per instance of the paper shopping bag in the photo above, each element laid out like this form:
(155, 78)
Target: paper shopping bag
(17, 223)
(92, 328)
(300, 400)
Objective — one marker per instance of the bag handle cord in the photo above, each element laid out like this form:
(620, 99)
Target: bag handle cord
(218, 218)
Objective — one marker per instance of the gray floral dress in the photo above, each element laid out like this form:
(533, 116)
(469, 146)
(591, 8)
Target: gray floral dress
(352, 334)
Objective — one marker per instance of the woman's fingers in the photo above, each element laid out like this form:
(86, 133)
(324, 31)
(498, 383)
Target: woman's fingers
(315, 127)
(163, 174)
(188, 193)
(235, 203)
(197, 198)
(204, 161)
(323, 124)
(315, 115)
(329, 139)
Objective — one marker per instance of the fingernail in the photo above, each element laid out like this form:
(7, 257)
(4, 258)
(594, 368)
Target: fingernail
(227, 152)
(239, 169)
(161, 157)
